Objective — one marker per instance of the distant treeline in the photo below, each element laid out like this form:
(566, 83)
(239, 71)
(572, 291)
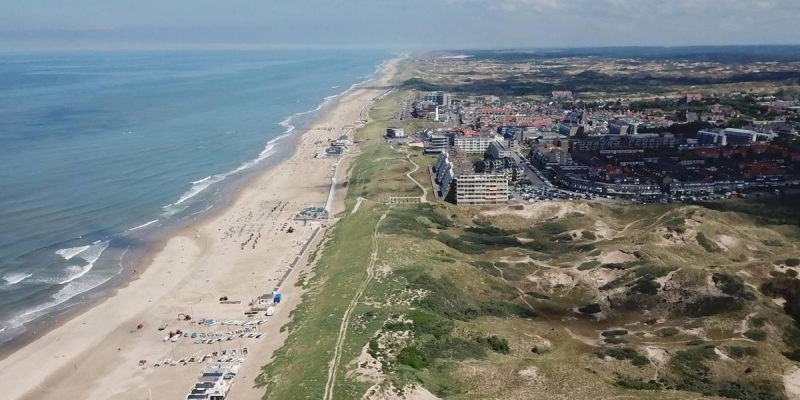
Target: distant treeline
(721, 54)
(591, 81)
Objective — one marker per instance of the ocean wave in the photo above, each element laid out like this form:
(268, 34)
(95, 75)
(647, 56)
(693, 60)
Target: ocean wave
(142, 226)
(69, 291)
(200, 185)
(72, 286)
(68, 253)
(13, 279)
(90, 255)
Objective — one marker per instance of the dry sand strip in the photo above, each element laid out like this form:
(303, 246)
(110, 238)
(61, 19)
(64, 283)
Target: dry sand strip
(95, 355)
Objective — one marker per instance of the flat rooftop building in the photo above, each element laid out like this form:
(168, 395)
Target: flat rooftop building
(437, 144)
(214, 382)
(393, 132)
(460, 184)
(474, 144)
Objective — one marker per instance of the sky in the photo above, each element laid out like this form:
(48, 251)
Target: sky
(391, 24)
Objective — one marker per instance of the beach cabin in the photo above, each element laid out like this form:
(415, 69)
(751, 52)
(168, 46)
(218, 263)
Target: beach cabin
(214, 382)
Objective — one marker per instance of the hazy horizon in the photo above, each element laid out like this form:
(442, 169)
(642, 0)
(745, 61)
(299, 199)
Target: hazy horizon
(384, 24)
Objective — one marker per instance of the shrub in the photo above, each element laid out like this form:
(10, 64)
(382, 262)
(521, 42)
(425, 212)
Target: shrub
(676, 225)
(537, 295)
(588, 235)
(731, 285)
(758, 322)
(412, 357)
(628, 354)
(588, 265)
(741, 351)
(614, 340)
(452, 348)
(615, 332)
(489, 231)
(496, 343)
(792, 262)
(637, 384)
(707, 243)
(706, 306)
(552, 228)
(593, 308)
(756, 334)
(668, 332)
(646, 287)
(428, 324)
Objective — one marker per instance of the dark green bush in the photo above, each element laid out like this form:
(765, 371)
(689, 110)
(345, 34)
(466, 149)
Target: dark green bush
(637, 384)
(707, 243)
(428, 324)
(741, 351)
(588, 265)
(792, 262)
(731, 285)
(706, 306)
(668, 332)
(615, 332)
(496, 343)
(756, 334)
(412, 357)
(628, 354)
(489, 231)
(593, 308)
(614, 340)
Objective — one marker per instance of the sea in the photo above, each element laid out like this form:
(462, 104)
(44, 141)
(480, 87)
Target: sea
(102, 154)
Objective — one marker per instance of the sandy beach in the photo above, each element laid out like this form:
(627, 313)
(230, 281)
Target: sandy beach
(240, 252)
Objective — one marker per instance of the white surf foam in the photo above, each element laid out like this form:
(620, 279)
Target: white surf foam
(69, 291)
(90, 255)
(68, 253)
(13, 279)
(142, 226)
(200, 185)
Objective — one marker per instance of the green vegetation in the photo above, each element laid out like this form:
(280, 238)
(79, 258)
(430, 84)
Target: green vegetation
(731, 285)
(741, 351)
(496, 343)
(690, 372)
(637, 384)
(792, 262)
(640, 278)
(707, 243)
(668, 332)
(588, 265)
(615, 332)
(624, 354)
(593, 308)
(412, 357)
(756, 334)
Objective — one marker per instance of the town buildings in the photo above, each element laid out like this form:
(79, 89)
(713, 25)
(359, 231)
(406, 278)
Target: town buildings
(394, 132)
(214, 382)
(461, 184)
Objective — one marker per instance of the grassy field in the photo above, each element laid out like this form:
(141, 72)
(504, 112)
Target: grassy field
(555, 300)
